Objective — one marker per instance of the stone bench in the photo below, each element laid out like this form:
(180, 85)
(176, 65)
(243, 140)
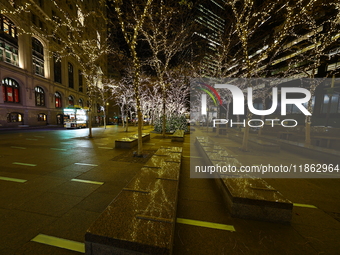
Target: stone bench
(245, 196)
(130, 142)
(141, 219)
(178, 136)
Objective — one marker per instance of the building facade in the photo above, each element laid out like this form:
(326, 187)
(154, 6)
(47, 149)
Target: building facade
(308, 48)
(41, 71)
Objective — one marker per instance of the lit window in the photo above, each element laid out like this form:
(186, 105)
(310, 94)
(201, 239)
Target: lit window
(8, 27)
(10, 90)
(38, 57)
(39, 96)
(9, 53)
(81, 102)
(8, 42)
(14, 117)
(57, 97)
(71, 100)
(42, 117)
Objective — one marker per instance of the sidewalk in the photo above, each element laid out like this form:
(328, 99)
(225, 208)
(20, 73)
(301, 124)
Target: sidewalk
(50, 203)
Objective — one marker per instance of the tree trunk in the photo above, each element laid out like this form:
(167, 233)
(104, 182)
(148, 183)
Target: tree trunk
(163, 117)
(90, 122)
(126, 123)
(104, 118)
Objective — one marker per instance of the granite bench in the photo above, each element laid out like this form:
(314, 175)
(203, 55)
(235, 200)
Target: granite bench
(178, 136)
(245, 196)
(131, 141)
(141, 219)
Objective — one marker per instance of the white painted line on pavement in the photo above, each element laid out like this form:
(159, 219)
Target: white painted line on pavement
(206, 224)
(31, 139)
(16, 147)
(12, 179)
(87, 181)
(85, 164)
(57, 149)
(60, 242)
(23, 164)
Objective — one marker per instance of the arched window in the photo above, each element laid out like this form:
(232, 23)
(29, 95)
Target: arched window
(39, 96)
(10, 90)
(81, 102)
(57, 97)
(38, 57)
(8, 41)
(70, 76)
(71, 100)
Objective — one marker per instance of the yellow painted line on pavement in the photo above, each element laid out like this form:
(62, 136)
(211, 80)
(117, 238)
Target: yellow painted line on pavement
(191, 157)
(60, 242)
(12, 179)
(206, 224)
(304, 205)
(23, 164)
(87, 181)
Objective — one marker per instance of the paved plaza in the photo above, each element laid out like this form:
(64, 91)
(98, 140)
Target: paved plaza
(54, 183)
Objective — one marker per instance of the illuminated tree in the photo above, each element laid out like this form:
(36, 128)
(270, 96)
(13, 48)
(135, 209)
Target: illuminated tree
(84, 40)
(106, 90)
(131, 16)
(166, 29)
(314, 39)
(124, 96)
